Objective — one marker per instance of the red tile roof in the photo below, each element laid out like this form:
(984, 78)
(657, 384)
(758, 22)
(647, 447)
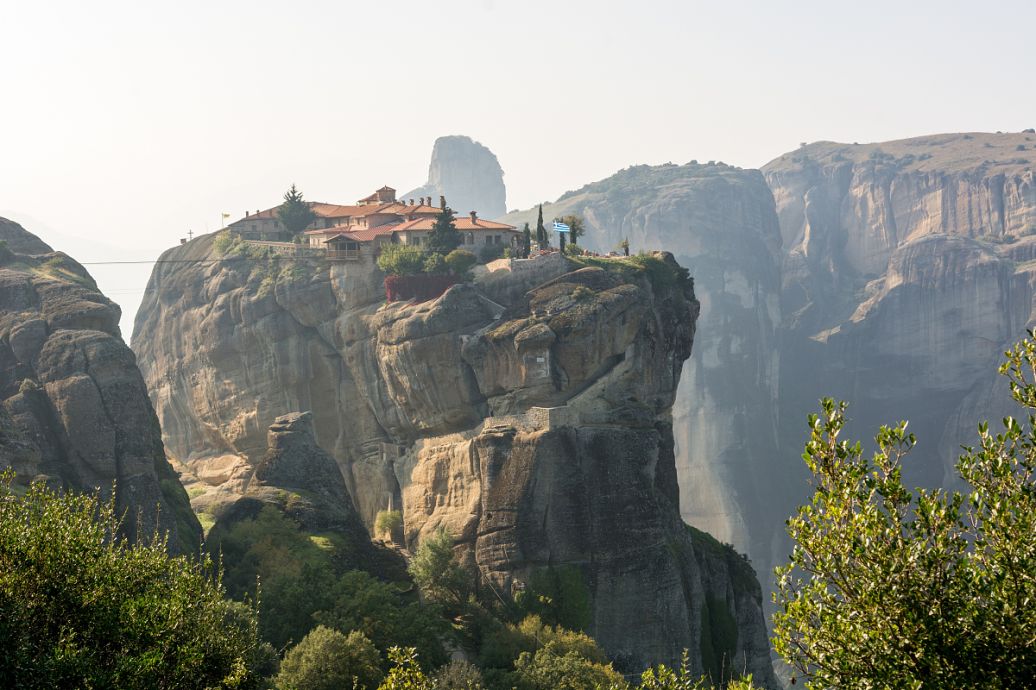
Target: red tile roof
(463, 224)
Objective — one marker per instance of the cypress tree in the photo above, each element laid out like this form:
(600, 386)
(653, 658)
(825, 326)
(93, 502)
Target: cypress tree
(541, 232)
(444, 237)
(526, 241)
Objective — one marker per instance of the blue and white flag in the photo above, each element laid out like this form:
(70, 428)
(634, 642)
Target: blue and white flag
(561, 227)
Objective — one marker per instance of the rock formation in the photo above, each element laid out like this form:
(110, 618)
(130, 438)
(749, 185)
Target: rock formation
(467, 174)
(73, 406)
(528, 413)
(907, 272)
(719, 222)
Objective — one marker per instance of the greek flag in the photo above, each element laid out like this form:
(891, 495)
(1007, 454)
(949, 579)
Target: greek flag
(561, 227)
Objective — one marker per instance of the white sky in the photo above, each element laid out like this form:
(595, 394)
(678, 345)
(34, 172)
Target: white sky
(123, 124)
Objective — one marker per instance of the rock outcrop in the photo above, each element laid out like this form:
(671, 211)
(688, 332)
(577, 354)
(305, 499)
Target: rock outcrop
(719, 222)
(467, 174)
(301, 481)
(528, 413)
(73, 406)
(908, 270)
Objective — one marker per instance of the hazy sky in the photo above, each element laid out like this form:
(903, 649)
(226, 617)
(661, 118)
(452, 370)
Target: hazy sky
(123, 124)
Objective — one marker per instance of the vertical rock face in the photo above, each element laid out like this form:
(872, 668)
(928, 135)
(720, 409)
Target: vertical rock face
(721, 224)
(467, 174)
(529, 413)
(73, 406)
(907, 272)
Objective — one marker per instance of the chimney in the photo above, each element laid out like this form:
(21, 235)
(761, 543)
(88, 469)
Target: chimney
(474, 216)
(442, 201)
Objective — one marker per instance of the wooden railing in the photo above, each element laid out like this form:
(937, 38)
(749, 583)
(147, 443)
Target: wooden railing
(286, 248)
(344, 254)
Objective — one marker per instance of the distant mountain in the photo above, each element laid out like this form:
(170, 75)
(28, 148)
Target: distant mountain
(892, 275)
(467, 174)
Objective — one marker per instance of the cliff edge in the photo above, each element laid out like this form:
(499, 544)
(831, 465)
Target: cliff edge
(529, 413)
(73, 406)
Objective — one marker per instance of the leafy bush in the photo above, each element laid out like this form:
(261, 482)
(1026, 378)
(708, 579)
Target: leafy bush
(326, 659)
(458, 675)
(889, 588)
(550, 668)
(435, 263)
(406, 673)
(436, 571)
(82, 607)
(401, 260)
(381, 612)
(460, 261)
(490, 252)
(225, 241)
(388, 521)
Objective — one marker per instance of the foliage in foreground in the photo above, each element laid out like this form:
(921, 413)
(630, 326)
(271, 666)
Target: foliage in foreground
(934, 589)
(81, 607)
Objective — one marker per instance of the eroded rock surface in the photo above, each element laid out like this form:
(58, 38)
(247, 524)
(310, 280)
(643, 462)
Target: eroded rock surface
(467, 174)
(908, 271)
(719, 222)
(533, 423)
(74, 407)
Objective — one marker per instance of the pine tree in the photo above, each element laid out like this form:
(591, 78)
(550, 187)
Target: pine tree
(541, 232)
(295, 214)
(444, 237)
(526, 242)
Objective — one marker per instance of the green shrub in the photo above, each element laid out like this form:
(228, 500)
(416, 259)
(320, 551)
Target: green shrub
(551, 668)
(82, 607)
(401, 260)
(326, 659)
(458, 675)
(460, 261)
(435, 264)
(436, 571)
(406, 673)
(357, 601)
(490, 252)
(225, 242)
(387, 522)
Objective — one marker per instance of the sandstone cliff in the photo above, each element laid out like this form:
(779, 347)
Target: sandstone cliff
(73, 406)
(528, 413)
(907, 271)
(719, 221)
(467, 174)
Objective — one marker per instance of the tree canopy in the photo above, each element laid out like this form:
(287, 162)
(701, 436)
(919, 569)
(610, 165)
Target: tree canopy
(444, 237)
(936, 589)
(82, 607)
(576, 227)
(326, 659)
(295, 214)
